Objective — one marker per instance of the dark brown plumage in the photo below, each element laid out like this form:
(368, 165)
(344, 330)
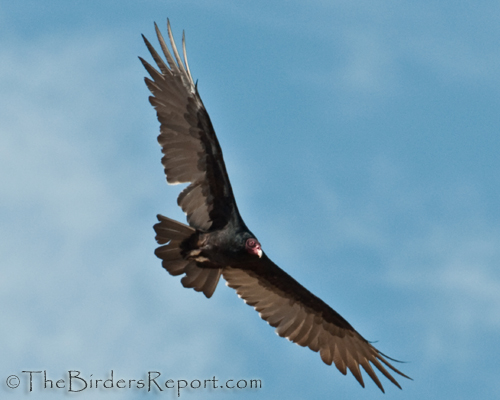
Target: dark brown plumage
(217, 241)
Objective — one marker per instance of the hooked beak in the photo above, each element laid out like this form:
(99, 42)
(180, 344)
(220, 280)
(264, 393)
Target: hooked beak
(259, 253)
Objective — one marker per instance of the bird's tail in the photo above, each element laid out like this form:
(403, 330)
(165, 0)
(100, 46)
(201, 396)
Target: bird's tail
(171, 234)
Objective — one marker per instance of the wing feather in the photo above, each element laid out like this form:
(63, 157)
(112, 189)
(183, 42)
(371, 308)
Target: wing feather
(176, 53)
(300, 336)
(166, 51)
(306, 320)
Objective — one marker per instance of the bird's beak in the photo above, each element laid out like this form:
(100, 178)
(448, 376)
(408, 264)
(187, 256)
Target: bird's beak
(259, 253)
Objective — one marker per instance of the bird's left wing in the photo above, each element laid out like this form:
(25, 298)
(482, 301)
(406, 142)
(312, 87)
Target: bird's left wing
(191, 150)
(305, 319)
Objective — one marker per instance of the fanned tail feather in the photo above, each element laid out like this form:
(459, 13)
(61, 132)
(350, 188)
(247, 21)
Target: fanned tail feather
(171, 234)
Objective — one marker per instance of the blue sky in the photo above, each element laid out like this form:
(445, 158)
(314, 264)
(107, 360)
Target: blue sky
(361, 139)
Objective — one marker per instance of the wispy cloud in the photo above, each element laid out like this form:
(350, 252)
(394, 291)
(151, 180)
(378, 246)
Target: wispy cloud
(76, 240)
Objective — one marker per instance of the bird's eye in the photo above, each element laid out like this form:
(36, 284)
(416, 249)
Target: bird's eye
(252, 246)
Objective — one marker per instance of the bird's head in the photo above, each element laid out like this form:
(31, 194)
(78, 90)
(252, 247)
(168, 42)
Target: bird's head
(252, 246)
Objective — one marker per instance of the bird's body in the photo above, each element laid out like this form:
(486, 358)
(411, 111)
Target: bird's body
(218, 243)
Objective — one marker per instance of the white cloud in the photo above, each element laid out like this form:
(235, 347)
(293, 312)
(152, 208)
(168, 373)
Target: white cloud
(436, 249)
(76, 246)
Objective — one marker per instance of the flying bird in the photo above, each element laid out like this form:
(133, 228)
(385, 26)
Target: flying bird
(218, 243)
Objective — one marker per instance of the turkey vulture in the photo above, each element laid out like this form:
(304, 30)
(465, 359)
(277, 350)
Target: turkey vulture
(217, 241)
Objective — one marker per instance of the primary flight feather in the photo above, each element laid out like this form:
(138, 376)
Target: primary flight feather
(217, 241)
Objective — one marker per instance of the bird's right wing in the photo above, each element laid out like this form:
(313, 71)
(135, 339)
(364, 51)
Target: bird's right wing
(305, 319)
(191, 150)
